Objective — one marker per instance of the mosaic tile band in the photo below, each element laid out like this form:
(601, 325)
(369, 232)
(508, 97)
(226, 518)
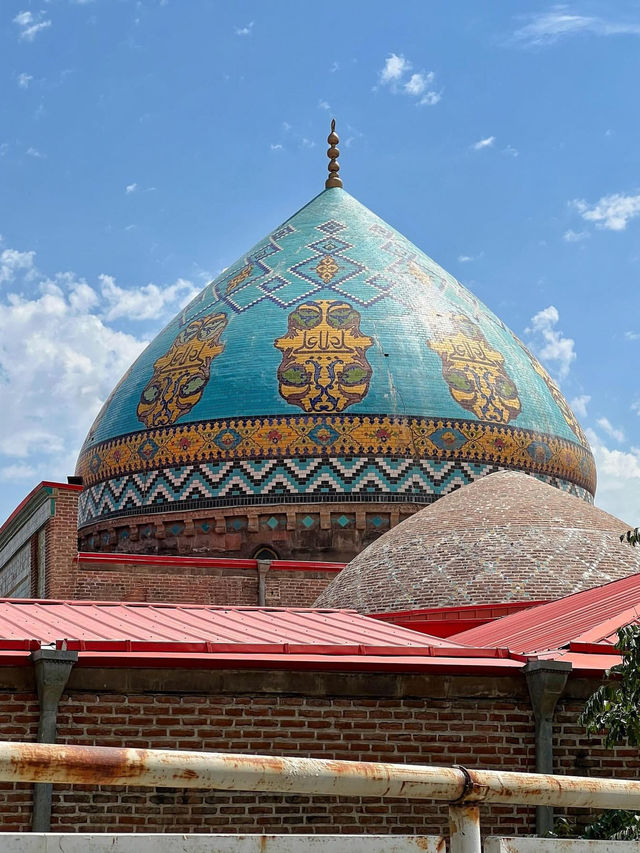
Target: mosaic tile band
(305, 437)
(285, 481)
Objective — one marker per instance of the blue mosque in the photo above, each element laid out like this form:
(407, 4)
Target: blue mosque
(332, 370)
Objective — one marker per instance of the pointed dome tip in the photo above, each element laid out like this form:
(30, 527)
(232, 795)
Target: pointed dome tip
(334, 167)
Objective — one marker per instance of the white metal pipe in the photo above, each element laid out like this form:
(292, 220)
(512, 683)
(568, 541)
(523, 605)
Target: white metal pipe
(232, 772)
(464, 829)
(540, 789)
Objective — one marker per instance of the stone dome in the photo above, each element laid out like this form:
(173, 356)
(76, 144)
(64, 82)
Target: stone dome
(333, 363)
(506, 537)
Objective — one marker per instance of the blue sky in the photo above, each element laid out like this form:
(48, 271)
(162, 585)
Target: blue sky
(145, 145)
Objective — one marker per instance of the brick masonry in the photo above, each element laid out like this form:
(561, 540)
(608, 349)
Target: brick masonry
(61, 544)
(478, 722)
(333, 532)
(19, 713)
(129, 580)
(505, 537)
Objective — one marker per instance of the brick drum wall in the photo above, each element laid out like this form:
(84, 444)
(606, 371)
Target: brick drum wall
(472, 732)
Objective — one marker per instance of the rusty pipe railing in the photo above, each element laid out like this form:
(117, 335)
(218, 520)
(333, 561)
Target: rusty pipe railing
(39, 762)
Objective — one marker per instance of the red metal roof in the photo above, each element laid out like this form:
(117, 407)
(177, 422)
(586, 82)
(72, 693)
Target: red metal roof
(169, 635)
(584, 622)
(166, 627)
(446, 621)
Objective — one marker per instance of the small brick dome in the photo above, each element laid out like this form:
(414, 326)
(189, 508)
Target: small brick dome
(505, 537)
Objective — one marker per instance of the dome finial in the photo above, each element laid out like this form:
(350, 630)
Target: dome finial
(334, 167)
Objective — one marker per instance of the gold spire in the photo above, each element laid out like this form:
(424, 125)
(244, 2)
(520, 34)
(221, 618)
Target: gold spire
(334, 167)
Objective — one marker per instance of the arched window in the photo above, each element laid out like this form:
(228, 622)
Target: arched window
(265, 554)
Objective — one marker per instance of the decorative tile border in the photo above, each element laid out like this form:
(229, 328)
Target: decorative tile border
(308, 437)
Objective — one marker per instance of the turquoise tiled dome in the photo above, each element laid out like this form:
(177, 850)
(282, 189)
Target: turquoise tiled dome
(333, 361)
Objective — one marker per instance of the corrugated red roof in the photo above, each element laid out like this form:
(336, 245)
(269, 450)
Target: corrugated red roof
(166, 627)
(581, 622)
(176, 635)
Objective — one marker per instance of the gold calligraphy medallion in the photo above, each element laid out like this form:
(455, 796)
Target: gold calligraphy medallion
(475, 372)
(181, 374)
(324, 365)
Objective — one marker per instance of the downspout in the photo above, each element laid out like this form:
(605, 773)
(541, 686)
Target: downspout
(546, 680)
(263, 568)
(52, 668)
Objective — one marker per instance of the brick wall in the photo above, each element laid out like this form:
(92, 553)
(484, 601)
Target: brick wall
(575, 754)
(128, 580)
(295, 588)
(474, 732)
(62, 544)
(19, 715)
(433, 719)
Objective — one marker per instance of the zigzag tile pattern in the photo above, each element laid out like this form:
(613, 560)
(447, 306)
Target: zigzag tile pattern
(282, 481)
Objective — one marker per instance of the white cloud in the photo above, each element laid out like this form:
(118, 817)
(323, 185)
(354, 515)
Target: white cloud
(323, 105)
(24, 80)
(29, 25)
(430, 99)
(418, 83)
(465, 259)
(130, 188)
(13, 263)
(246, 30)
(572, 236)
(611, 212)
(484, 143)
(510, 150)
(632, 336)
(618, 479)
(393, 69)
(579, 405)
(18, 473)
(549, 343)
(607, 426)
(33, 152)
(335, 66)
(60, 356)
(560, 22)
(276, 146)
(395, 75)
(144, 303)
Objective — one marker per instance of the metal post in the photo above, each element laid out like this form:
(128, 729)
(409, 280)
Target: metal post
(464, 829)
(263, 568)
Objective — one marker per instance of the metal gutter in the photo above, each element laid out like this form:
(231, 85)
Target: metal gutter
(308, 662)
